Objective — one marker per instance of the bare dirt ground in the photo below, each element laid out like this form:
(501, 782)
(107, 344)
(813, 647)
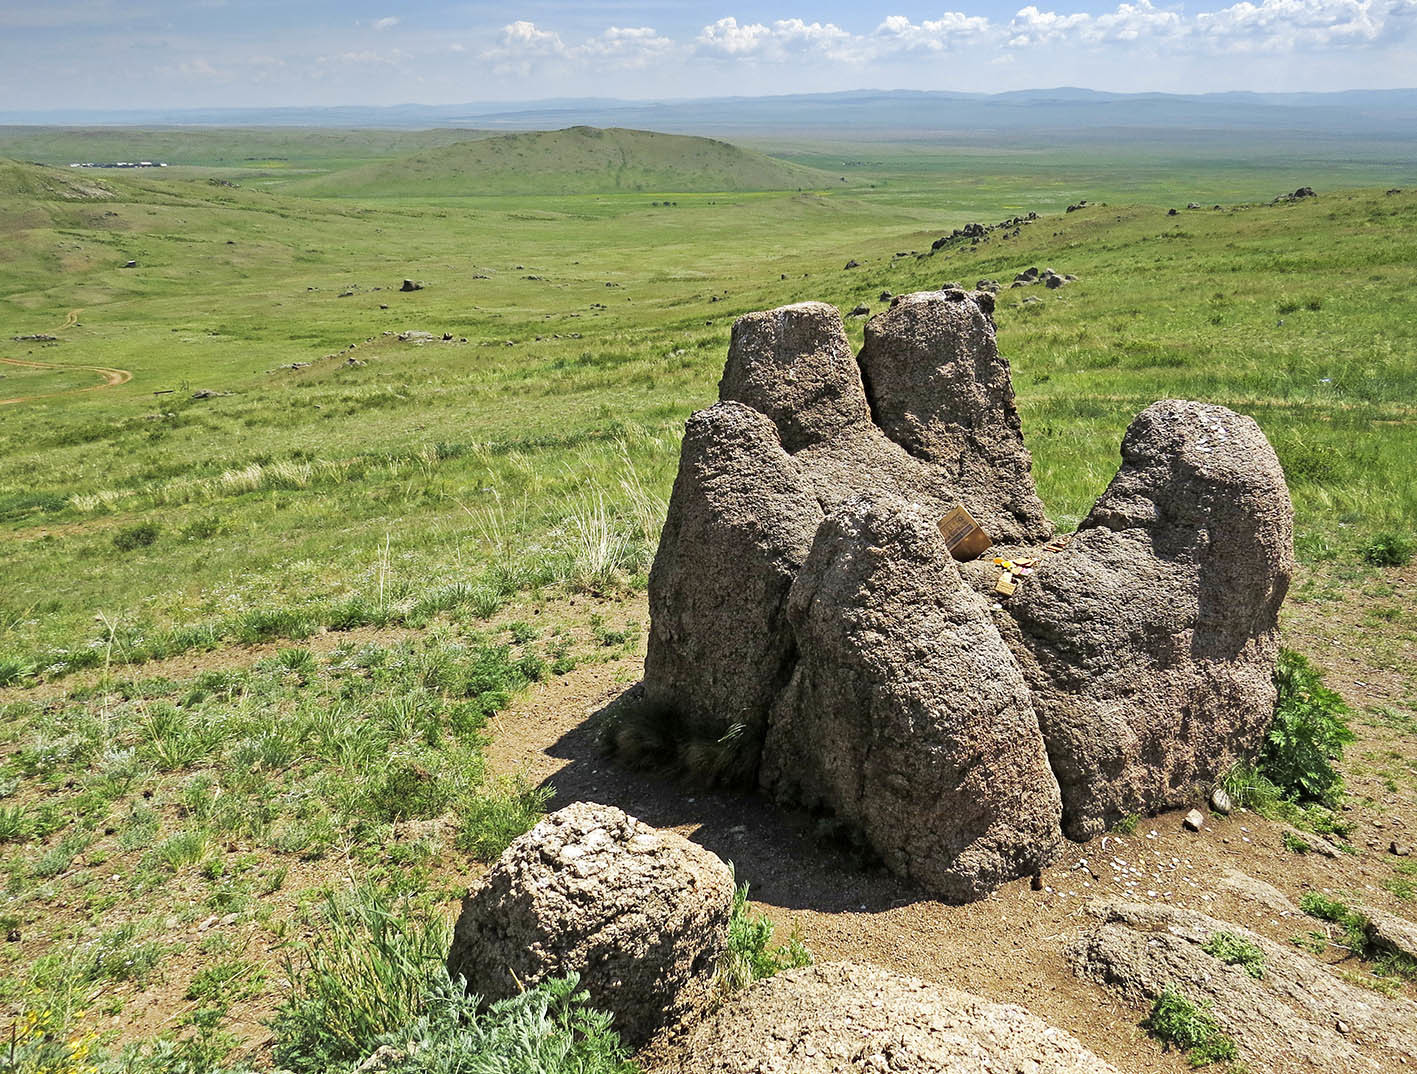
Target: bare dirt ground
(1009, 947)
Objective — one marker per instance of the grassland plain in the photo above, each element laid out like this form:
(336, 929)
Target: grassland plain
(409, 532)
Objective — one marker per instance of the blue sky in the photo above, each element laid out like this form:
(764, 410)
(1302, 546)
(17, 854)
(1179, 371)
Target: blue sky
(205, 53)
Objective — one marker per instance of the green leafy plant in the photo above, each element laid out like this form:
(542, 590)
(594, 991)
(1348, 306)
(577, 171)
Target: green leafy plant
(1179, 1023)
(130, 538)
(365, 974)
(1389, 549)
(1234, 950)
(1309, 732)
(751, 954)
(1337, 912)
(497, 813)
(548, 1029)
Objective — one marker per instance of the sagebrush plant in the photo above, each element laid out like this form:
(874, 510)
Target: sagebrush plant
(1188, 1026)
(547, 1029)
(1309, 732)
(751, 954)
(372, 958)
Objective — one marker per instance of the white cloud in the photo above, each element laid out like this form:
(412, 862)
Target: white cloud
(388, 22)
(784, 39)
(1134, 22)
(897, 33)
(1033, 27)
(1289, 25)
(627, 46)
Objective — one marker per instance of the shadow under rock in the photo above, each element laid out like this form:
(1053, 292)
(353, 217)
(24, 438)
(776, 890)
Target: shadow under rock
(776, 851)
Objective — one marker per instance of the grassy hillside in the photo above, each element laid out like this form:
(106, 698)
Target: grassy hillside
(578, 160)
(400, 526)
(21, 184)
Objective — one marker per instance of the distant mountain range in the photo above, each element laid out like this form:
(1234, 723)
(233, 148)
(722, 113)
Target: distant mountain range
(1062, 113)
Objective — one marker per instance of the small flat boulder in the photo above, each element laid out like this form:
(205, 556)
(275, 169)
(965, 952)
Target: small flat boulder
(846, 1018)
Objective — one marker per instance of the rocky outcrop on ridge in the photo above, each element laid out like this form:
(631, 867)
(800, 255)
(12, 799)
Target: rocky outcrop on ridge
(805, 609)
(1294, 1016)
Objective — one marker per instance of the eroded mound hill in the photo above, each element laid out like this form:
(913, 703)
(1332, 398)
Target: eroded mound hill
(20, 180)
(577, 160)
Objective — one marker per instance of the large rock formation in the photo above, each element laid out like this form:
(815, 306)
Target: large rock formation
(640, 914)
(902, 684)
(842, 1017)
(939, 388)
(804, 608)
(1150, 640)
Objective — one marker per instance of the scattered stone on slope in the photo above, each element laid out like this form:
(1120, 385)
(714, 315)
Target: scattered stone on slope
(1149, 641)
(1390, 933)
(844, 1018)
(641, 915)
(906, 716)
(939, 388)
(411, 285)
(1258, 892)
(1288, 1019)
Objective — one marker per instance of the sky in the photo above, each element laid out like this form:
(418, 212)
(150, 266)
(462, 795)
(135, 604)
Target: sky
(120, 54)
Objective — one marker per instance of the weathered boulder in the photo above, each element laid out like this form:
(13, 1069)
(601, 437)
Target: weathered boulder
(841, 1017)
(741, 519)
(906, 716)
(1149, 642)
(939, 388)
(748, 498)
(794, 364)
(641, 915)
(1296, 1016)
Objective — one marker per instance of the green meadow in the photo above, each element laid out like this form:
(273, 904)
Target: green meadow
(296, 446)
(583, 330)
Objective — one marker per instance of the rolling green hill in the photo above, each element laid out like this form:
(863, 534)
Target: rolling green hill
(578, 160)
(18, 180)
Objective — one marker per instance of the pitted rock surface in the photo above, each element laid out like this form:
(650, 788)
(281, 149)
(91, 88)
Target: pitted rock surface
(640, 914)
(1150, 641)
(902, 685)
(1285, 1020)
(939, 388)
(741, 519)
(844, 1018)
(794, 365)
(1145, 648)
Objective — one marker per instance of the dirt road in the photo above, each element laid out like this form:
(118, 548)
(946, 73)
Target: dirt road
(111, 377)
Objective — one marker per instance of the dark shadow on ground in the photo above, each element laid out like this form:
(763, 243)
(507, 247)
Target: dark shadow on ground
(777, 852)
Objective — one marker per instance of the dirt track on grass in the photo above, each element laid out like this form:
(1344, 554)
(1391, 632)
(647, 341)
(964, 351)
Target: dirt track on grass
(111, 378)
